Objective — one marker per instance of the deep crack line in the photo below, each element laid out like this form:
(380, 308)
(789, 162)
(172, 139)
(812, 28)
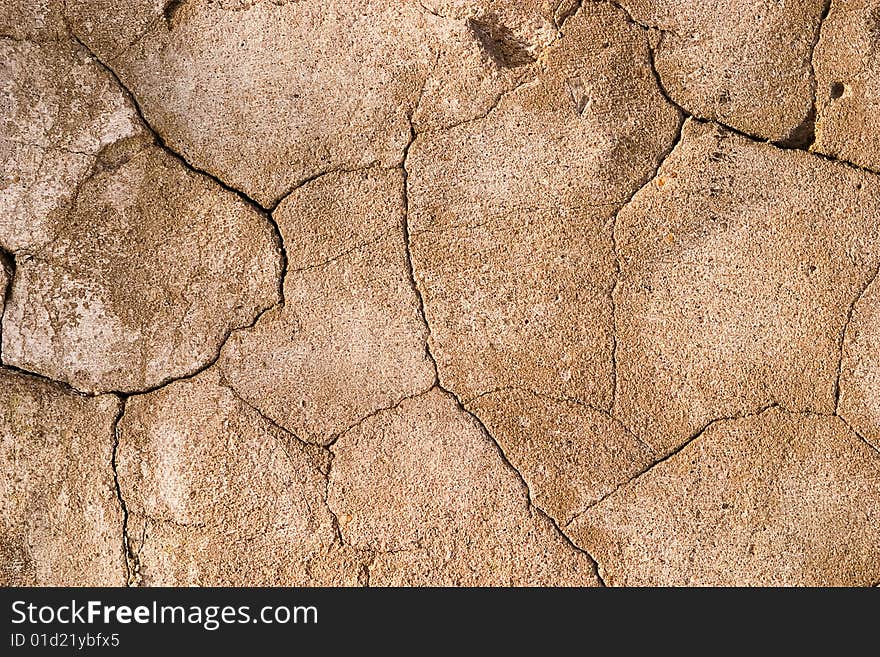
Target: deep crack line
(7, 262)
(661, 159)
(842, 339)
(571, 12)
(158, 138)
(813, 115)
(164, 382)
(479, 423)
(264, 211)
(200, 369)
(629, 17)
(132, 560)
(693, 437)
(803, 136)
(618, 270)
(781, 145)
(429, 354)
(409, 259)
(284, 262)
(792, 143)
(58, 384)
(522, 480)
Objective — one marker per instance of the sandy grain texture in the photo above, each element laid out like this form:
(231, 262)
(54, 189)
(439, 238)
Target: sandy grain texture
(439, 292)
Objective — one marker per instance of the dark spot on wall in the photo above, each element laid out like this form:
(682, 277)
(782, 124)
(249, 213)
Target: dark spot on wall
(170, 10)
(500, 43)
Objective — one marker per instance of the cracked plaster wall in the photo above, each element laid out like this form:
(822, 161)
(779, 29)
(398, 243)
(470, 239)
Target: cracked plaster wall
(440, 293)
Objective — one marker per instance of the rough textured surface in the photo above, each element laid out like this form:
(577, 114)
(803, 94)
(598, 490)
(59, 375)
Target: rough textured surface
(740, 301)
(429, 292)
(570, 455)
(511, 234)
(130, 269)
(191, 68)
(349, 339)
(35, 20)
(860, 368)
(847, 63)
(61, 521)
(745, 63)
(129, 295)
(423, 488)
(219, 496)
(61, 114)
(775, 499)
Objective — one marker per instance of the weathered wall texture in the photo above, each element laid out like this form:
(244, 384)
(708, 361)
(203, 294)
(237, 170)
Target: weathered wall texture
(440, 292)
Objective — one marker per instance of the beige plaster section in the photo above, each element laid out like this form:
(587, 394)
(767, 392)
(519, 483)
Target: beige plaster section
(847, 63)
(61, 114)
(860, 368)
(146, 276)
(745, 63)
(60, 520)
(569, 454)
(510, 216)
(38, 20)
(320, 85)
(735, 286)
(439, 292)
(776, 499)
(219, 496)
(130, 268)
(349, 339)
(424, 488)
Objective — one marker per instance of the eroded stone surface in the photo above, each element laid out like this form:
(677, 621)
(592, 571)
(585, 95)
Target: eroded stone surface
(131, 269)
(61, 522)
(847, 63)
(349, 339)
(426, 490)
(60, 112)
(776, 499)
(38, 20)
(144, 280)
(486, 48)
(501, 137)
(510, 215)
(219, 496)
(745, 63)
(860, 369)
(740, 300)
(331, 85)
(568, 454)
